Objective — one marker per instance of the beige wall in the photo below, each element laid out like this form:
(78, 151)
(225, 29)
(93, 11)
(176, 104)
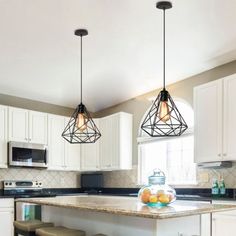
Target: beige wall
(34, 105)
(182, 89)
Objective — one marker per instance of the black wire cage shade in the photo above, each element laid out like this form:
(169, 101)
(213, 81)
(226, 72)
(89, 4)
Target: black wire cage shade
(81, 127)
(164, 118)
(171, 123)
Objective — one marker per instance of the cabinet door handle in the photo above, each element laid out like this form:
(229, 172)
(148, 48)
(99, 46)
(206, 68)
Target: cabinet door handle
(224, 154)
(219, 155)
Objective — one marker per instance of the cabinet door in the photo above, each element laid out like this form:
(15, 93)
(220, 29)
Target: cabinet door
(6, 221)
(223, 225)
(109, 142)
(72, 154)
(229, 125)
(90, 154)
(56, 144)
(3, 137)
(18, 125)
(37, 127)
(208, 122)
(106, 142)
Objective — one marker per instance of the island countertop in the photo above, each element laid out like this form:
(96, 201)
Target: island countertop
(129, 206)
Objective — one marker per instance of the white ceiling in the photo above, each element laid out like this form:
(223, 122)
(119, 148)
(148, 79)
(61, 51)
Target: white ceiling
(39, 55)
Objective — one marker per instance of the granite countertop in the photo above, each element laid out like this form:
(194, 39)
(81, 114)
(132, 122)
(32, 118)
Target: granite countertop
(129, 206)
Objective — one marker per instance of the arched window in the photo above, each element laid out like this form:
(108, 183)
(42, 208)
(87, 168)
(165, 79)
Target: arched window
(174, 156)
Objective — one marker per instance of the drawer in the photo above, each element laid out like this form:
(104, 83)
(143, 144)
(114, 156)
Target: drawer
(6, 203)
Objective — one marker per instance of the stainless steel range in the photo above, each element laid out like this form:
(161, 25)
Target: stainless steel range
(22, 189)
(26, 189)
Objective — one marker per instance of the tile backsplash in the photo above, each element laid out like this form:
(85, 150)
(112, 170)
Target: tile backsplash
(128, 178)
(115, 179)
(50, 179)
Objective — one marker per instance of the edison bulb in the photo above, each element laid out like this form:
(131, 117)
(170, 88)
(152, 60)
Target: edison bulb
(81, 122)
(164, 114)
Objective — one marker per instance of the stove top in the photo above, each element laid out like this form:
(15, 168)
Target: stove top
(25, 189)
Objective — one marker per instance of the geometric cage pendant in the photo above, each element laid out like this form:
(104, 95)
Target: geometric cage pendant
(81, 128)
(164, 118)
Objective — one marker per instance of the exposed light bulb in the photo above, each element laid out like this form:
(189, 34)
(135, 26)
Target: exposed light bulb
(81, 122)
(164, 114)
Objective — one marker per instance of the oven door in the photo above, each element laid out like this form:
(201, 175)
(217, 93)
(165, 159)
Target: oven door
(27, 154)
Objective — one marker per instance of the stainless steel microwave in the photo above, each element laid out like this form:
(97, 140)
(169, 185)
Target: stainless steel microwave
(27, 154)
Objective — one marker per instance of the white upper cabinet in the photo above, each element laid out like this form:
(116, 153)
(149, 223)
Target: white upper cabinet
(208, 122)
(38, 127)
(18, 125)
(215, 115)
(90, 154)
(72, 153)
(3, 136)
(27, 126)
(229, 118)
(106, 142)
(61, 154)
(113, 151)
(116, 142)
(56, 144)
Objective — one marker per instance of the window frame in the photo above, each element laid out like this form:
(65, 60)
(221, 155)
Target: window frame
(142, 139)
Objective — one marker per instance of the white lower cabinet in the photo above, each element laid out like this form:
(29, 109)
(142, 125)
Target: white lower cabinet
(61, 154)
(6, 217)
(223, 222)
(90, 154)
(223, 225)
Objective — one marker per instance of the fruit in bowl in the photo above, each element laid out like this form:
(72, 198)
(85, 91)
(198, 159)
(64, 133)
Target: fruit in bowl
(157, 193)
(160, 198)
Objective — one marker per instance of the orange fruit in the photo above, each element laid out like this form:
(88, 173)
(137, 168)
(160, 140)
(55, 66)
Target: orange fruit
(153, 199)
(160, 192)
(146, 191)
(145, 197)
(164, 198)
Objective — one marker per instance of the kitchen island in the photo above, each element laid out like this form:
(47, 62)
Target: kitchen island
(126, 216)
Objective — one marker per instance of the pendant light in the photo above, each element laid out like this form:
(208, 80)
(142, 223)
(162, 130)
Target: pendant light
(164, 118)
(81, 128)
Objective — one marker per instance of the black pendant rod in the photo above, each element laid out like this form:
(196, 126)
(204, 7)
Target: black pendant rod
(164, 48)
(81, 67)
(81, 33)
(164, 5)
